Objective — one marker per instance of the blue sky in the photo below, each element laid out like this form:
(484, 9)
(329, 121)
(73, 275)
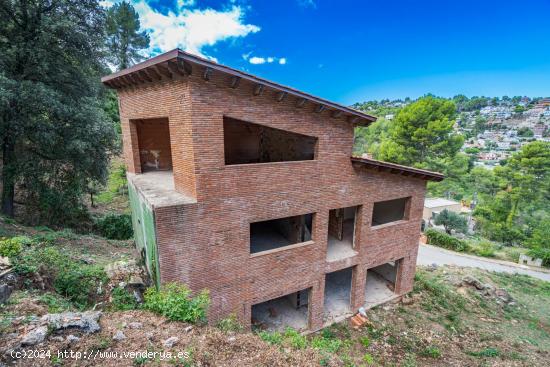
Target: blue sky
(350, 51)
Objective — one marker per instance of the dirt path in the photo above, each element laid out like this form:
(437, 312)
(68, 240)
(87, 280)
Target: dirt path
(428, 255)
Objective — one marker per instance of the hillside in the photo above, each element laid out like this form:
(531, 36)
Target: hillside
(447, 320)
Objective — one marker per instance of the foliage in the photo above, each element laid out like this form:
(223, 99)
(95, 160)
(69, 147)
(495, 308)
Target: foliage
(440, 239)
(422, 134)
(50, 266)
(295, 339)
(11, 247)
(174, 301)
(487, 352)
(326, 344)
(55, 136)
(525, 132)
(116, 226)
(368, 359)
(485, 248)
(230, 323)
(55, 302)
(116, 184)
(124, 39)
(451, 221)
(274, 337)
(122, 300)
(431, 351)
(522, 201)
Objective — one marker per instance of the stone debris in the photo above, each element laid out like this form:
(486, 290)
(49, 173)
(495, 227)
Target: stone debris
(135, 325)
(470, 280)
(86, 321)
(5, 292)
(170, 342)
(72, 339)
(35, 336)
(119, 335)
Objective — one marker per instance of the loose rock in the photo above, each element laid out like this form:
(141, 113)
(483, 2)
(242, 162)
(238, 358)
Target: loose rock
(119, 335)
(86, 321)
(35, 336)
(170, 342)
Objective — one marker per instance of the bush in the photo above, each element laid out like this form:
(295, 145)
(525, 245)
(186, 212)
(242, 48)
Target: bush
(116, 226)
(295, 339)
(541, 253)
(330, 345)
(274, 337)
(122, 300)
(72, 279)
(441, 239)
(485, 249)
(230, 323)
(11, 247)
(174, 302)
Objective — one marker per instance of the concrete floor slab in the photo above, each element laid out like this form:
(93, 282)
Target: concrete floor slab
(376, 291)
(341, 249)
(286, 315)
(157, 187)
(337, 294)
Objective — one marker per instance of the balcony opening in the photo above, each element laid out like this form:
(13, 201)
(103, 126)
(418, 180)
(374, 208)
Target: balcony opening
(276, 233)
(390, 211)
(381, 283)
(342, 226)
(279, 313)
(337, 294)
(153, 137)
(246, 142)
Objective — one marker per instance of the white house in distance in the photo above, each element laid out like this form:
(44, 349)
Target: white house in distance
(434, 206)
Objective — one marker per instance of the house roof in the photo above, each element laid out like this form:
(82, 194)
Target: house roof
(397, 169)
(438, 202)
(177, 63)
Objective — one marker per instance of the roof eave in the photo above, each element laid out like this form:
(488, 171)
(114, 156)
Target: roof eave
(125, 75)
(381, 166)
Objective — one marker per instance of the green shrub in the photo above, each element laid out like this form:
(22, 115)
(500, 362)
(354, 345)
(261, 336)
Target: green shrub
(174, 302)
(274, 337)
(122, 300)
(487, 352)
(230, 323)
(365, 341)
(440, 239)
(431, 351)
(485, 249)
(72, 279)
(541, 253)
(368, 359)
(295, 339)
(330, 345)
(115, 226)
(55, 302)
(11, 247)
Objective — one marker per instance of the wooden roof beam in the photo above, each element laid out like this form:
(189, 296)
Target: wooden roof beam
(175, 68)
(281, 96)
(320, 108)
(164, 71)
(258, 89)
(207, 73)
(145, 76)
(300, 102)
(336, 114)
(152, 73)
(235, 80)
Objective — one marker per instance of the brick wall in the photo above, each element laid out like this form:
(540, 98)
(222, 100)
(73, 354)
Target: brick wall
(206, 244)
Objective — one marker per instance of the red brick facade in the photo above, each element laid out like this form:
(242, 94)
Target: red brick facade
(206, 244)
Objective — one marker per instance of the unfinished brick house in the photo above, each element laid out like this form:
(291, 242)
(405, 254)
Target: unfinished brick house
(247, 188)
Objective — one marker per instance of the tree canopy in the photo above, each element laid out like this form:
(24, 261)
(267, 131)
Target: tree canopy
(56, 138)
(124, 39)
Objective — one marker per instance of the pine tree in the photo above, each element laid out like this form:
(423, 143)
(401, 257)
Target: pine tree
(124, 39)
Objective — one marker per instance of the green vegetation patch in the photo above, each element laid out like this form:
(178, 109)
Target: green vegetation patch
(174, 301)
(115, 226)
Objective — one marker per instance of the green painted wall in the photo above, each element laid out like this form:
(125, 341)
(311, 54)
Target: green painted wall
(143, 221)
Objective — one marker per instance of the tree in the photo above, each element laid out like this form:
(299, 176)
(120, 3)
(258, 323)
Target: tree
(451, 221)
(124, 39)
(422, 133)
(55, 136)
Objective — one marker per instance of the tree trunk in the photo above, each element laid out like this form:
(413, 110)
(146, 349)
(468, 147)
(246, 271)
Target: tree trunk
(8, 180)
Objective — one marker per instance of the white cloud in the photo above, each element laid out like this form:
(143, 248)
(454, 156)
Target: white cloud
(307, 4)
(191, 29)
(257, 60)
